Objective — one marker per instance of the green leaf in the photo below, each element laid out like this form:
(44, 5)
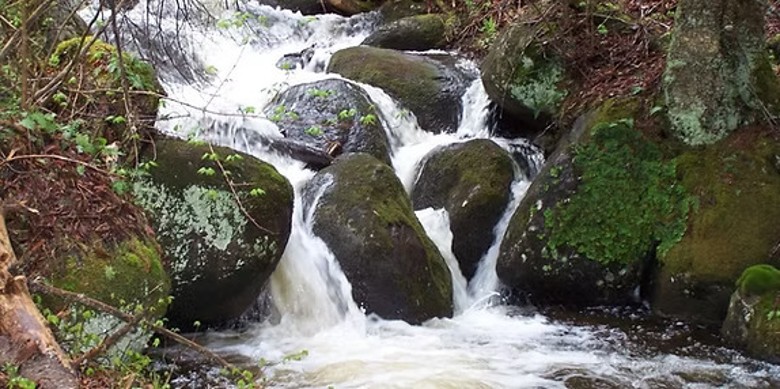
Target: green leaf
(207, 171)
(256, 192)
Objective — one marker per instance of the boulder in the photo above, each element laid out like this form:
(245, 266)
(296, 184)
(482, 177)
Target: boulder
(220, 251)
(526, 79)
(333, 116)
(420, 32)
(366, 219)
(125, 273)
(736, 224)
(718, 76)
(753, 319)
(472, 182)
(592, 218)
(392, 10)
(429, 86)
(352, 7)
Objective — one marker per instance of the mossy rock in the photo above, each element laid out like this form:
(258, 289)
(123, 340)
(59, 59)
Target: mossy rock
(220, 252)
(352, 7)
(526, 80)
(429, 86)
(329, 113)
(393, 10)
(367, 220)
(758, 280)
(591, 220)
(735, 225)
(472, 181)
(106, 109)
(718, 76)
(125, 274)
(753, 324)
(420, 32)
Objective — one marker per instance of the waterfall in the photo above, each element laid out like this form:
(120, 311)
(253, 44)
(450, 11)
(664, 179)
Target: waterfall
(221, 75)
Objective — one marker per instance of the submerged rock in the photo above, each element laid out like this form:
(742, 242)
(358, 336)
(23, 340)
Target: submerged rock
(429, 86)
(472, 182)
(590, 221)
(735, 224)
(220, 252)
(718, 76)
(753, 319)
(332, 116)
(420, 32)
(367, 221)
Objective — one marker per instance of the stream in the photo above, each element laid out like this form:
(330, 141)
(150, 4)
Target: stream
(220, 72)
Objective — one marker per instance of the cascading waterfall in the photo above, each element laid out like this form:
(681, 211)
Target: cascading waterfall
(485, 344)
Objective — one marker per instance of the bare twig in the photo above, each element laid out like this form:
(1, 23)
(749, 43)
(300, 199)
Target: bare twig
(38, 286)
(57, 157)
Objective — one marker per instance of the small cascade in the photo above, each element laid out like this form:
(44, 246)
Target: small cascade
(227, 70)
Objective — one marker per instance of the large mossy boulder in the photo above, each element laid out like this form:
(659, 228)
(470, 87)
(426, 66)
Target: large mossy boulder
(718, 75)
(429, 86)
(331, 116)
(753, 320)
(420, 32)
(736, 224)
(472, 182)
(526, 78)
(222, 241)
(592, 219)
(104, 112)
(367, 220)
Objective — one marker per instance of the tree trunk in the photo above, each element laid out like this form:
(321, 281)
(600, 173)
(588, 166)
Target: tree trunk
(718, 76)
(25, 340)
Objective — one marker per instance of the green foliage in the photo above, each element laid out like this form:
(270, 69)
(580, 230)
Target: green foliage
(320, 93)
(347, 114)
(15, 381)
(369, 120)
(314, 131)
(627, 199)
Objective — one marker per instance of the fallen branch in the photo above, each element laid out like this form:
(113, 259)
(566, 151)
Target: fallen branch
(25, 338)
(38, 286)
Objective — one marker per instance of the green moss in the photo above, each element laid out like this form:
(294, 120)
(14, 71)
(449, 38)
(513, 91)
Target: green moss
(368, 199)
(758, 280)
(627, 198)
(737, 221)
(103, 57)
(410, 80)
(129, 272)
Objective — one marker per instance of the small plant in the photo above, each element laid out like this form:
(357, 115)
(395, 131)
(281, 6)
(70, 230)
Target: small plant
(320, 93)
(15, 381)
(369, 120)
(347, 114)
(314, 131)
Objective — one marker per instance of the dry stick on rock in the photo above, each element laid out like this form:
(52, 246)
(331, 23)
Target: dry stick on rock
(25, 338)
(41, 287)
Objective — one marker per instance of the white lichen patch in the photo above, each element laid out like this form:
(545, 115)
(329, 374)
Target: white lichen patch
(193, 222)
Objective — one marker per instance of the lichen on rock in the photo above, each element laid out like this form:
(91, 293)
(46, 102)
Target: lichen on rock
(220, 251)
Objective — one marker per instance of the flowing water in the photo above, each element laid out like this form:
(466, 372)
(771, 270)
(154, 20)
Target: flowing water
(218, 69)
